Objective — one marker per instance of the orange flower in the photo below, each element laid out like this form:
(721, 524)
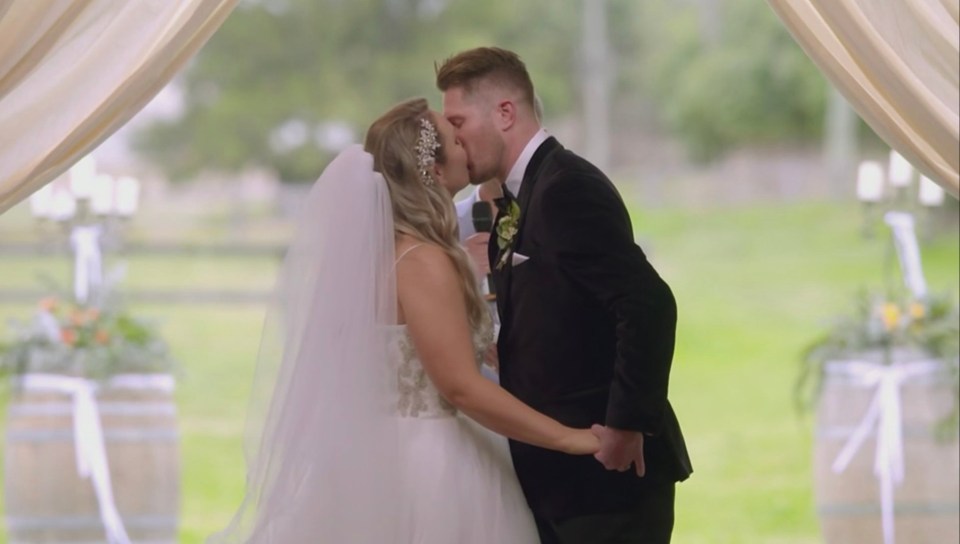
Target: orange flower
(78, 317)
(48, 304)
(890, 315)
(101, 336)
(81, 317)
(917, 310)
(68, 336)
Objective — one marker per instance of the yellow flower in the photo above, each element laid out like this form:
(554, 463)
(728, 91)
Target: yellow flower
(917, 310)
(890, 315)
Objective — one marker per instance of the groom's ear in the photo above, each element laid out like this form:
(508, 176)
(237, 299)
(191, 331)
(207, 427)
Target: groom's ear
(506, 114)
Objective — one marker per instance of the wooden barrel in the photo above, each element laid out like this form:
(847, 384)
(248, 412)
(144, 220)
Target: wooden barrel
(926, 504)
(46, 501)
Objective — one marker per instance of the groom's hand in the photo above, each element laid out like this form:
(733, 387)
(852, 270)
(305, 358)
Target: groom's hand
(620, 449)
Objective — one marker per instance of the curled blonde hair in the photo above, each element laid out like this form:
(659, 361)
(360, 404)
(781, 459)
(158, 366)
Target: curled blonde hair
(425, 212)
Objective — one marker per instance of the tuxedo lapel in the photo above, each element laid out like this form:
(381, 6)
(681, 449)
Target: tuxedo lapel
(530, 177)
(494, 251)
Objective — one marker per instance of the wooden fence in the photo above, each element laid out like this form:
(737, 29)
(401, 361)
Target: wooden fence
(165, 296)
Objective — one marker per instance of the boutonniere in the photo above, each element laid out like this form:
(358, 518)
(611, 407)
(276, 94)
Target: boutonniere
(507, 227)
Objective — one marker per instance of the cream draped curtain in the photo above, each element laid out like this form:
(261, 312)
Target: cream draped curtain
(74, 71)
(897, 63)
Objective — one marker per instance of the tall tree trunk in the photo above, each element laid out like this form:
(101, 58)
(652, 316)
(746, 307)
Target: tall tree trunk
(840, 145)
(596, 83)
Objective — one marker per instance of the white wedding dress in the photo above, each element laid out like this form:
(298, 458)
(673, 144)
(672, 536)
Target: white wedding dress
(348, 441)
(457, 478)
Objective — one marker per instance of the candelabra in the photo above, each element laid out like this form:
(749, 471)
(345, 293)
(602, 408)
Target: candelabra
(91, 208)
(891, 191)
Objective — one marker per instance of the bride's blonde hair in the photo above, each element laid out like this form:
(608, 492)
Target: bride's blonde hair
(423, 211)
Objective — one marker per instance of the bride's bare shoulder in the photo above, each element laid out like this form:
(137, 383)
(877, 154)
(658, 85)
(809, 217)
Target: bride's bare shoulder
(419, 253)
(421, 260)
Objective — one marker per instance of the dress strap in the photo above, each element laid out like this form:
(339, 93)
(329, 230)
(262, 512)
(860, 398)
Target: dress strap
(404, 254)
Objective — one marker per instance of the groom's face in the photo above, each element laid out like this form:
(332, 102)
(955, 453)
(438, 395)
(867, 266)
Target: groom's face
(474, 124)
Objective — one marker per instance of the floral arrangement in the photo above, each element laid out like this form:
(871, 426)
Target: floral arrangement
(507, 228)
(885, 324)
(91, 341)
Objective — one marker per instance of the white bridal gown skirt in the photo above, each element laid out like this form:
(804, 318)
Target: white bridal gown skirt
(460, 483)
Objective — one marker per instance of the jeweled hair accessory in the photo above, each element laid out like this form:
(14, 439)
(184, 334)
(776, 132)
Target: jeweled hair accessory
(426, 149)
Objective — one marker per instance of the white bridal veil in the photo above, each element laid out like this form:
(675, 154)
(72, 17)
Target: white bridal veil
(322, 437)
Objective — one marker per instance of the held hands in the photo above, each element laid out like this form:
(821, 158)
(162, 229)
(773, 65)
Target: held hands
(619, 449)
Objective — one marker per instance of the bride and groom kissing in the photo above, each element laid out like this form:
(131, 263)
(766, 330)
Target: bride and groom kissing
(378, 426)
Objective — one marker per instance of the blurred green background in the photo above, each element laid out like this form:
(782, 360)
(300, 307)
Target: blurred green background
(754, 285)
(740, 186)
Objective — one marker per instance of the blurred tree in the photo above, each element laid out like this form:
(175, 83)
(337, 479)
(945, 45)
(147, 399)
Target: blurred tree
(284, 83)
(744, 82)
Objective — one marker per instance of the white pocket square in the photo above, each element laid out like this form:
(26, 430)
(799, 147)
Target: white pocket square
(517, 258)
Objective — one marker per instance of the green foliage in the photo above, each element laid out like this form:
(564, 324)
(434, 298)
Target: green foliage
(315, 62)
(92, 341)
(748, 84)
(887, 324)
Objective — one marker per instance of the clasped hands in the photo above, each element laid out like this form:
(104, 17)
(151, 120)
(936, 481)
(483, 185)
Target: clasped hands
(619, 449)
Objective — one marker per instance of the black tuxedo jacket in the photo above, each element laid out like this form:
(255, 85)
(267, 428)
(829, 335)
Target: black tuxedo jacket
(587, 335)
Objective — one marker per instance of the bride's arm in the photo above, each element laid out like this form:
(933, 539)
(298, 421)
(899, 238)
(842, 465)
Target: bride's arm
(433, 306)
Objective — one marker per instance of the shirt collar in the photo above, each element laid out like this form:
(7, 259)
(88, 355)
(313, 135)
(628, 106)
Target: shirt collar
(515, 177)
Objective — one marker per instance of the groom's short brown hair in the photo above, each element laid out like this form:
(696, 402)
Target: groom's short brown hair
(485, 64)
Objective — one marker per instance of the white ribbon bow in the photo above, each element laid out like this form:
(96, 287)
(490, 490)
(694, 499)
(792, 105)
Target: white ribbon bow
(91, 455)
(88, 267)
(908, 251)
(884, 414)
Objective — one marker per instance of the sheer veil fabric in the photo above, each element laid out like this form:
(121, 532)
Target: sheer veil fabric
(322, 437)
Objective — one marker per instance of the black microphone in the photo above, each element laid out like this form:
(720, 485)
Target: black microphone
(482, 216)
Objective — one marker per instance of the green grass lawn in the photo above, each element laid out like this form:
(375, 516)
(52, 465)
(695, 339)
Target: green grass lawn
(753, 286)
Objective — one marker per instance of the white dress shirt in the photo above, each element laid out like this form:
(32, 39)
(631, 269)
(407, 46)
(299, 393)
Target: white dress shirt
(515, 177)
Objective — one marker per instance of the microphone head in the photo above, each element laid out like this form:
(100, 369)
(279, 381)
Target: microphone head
(482, 215)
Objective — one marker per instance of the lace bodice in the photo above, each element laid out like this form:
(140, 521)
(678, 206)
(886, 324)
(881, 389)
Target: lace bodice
(418, 397)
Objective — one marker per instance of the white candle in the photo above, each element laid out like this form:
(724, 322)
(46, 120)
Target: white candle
(82, 177)
(870, 181)
(901, 171)
(101, 201)
(41, 202)
(931, 194)
(64, 206)
(127, 196)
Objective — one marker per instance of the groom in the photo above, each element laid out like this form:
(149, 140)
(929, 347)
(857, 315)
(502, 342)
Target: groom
(587, 324)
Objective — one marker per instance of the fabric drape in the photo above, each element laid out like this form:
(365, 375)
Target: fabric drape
(897, 64)
(73, 72)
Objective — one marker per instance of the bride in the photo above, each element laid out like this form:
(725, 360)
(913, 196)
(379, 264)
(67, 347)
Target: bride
(371, 422)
